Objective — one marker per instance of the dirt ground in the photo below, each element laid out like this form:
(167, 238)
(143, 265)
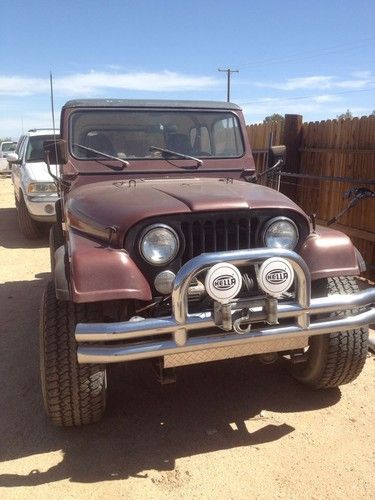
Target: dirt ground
(233, 429)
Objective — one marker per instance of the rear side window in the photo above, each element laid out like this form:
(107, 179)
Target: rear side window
(228, 140)
(200, 138)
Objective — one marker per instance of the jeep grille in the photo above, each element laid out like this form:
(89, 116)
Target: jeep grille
(213, 233)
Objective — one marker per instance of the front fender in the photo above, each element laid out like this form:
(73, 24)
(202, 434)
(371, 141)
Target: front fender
(328, 252)
(98, 272)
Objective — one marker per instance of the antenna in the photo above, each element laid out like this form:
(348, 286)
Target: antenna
(54, 134)
(53, 111)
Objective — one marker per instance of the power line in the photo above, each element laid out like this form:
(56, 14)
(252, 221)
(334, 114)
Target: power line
(311, 54)
(297, 98)
(228, 71)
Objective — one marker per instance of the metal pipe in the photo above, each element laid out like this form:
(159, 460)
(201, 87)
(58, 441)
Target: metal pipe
(107, 332)
(177, 326)
(86, 332)
(113, 354)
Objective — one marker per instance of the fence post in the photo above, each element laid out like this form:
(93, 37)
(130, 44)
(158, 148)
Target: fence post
(292, 141)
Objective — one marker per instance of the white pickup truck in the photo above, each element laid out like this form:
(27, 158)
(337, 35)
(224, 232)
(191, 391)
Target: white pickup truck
(6, 147)
(34, 189)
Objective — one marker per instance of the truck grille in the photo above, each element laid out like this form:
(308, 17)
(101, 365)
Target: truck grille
(215, 233)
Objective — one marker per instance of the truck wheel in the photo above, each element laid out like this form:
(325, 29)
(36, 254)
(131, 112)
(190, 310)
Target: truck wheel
(73, 394)
(31, 229)
(336, 358)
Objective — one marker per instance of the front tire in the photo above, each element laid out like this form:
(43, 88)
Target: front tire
(336, 358)
(31, 229)
(73, 394)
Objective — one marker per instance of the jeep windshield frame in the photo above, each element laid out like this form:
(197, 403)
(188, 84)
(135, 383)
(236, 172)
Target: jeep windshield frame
(129, 133)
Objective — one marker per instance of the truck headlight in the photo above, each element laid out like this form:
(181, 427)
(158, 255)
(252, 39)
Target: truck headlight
(280, 232)
(159, 244)
(41, 188)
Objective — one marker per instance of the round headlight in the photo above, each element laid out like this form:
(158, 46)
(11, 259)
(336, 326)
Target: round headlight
(159, 244)
(281, 232)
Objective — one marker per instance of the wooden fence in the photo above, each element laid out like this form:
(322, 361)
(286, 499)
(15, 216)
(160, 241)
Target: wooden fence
(338, 148)
(263, 136)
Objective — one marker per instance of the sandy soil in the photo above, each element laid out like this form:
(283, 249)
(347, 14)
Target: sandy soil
(226, 430)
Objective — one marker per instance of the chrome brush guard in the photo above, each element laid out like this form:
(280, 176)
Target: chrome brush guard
(240, 327)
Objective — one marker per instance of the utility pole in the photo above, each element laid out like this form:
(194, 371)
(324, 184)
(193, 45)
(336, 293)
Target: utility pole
(228, 71)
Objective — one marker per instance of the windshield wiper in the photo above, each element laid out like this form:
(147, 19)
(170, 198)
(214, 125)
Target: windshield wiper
(181, 155)
(124, 162)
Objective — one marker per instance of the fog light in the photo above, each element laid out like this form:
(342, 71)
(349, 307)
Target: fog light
(49, 209)
(164, 282)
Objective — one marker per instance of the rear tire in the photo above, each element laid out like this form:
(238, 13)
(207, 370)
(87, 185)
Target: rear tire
(73, 394)
(31, 229)
(336, 358)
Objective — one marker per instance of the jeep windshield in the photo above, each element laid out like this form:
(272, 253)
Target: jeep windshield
(144, 134)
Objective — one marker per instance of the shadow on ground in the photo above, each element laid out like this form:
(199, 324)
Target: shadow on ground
(147, 426)
(11, 236)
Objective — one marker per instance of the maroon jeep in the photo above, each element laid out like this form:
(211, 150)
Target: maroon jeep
(167, 249)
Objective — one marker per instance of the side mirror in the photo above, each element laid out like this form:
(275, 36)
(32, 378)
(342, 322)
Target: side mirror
(276, 154)
(13, 158)
(55, 152)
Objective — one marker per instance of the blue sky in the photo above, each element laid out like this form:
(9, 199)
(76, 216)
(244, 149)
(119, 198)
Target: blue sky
(315, 58)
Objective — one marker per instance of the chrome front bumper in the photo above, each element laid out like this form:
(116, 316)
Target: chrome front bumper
(178, 336)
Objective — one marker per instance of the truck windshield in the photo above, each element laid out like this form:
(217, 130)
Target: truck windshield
(35, 151)
(138, 134)
(8, 146)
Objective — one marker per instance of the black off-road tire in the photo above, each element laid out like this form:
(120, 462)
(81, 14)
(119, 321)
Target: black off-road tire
(336, 358)
(30, 228)
(73, 394)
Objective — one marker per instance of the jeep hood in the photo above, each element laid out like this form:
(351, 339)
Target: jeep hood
(95, 207)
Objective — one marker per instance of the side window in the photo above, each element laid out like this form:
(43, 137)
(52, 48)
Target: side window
(227, 138)
(200, 140)
(22, 146)
(19, 144)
